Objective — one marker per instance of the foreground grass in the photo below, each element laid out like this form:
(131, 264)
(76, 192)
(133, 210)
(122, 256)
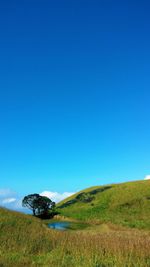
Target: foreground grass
(26, 241)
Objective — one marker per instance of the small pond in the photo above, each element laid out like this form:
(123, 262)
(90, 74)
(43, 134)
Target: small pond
(66, 225)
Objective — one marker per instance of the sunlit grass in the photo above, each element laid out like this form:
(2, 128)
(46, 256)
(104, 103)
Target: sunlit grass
(126, 204)
(26, 241)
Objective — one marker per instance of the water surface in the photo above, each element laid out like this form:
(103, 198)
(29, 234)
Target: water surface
(66, 225)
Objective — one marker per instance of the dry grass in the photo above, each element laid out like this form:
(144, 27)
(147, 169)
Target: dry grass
(26, 241)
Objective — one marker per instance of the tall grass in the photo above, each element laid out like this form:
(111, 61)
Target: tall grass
(26, 241)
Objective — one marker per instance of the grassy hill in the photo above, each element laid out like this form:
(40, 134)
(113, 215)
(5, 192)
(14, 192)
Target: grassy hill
(127, 204)
(21, 237)
(27, 241)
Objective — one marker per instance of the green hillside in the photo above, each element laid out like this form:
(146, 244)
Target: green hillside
(27, 241)
(127, 204)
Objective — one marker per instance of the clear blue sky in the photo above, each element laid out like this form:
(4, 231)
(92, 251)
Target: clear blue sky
(74, 93)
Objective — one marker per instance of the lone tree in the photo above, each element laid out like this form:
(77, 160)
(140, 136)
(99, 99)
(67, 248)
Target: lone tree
(41, 206)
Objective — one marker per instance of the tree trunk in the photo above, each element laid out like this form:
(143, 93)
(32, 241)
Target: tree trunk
(34, 212)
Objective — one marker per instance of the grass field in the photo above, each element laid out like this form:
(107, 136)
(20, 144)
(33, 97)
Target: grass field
(126, 204)
(27, 241)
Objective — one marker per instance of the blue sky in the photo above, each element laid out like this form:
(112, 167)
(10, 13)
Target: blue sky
(74, 94)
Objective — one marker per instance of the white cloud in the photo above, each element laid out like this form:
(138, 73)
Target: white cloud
(8, 200)
(11, 200)
(55, 196)
(147, 177)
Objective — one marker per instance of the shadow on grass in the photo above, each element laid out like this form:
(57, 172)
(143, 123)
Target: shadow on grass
(85, 197)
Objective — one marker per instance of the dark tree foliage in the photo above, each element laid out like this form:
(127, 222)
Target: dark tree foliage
(40, 205)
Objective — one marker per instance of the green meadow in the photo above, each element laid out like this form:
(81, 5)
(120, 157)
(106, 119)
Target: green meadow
(117, 232)
(126, 204)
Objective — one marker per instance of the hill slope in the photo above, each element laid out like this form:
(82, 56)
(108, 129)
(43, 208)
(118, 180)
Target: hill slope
(126, 204)
(27, 241)
(21, 237)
